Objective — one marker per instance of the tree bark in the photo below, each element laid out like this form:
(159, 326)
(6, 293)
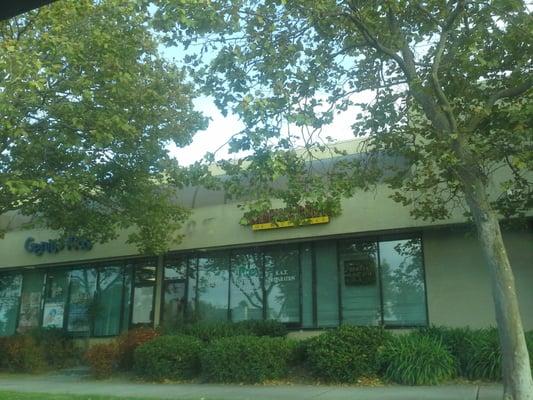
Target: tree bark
(517, 380)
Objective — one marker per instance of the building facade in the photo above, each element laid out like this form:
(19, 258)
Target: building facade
(372, 265)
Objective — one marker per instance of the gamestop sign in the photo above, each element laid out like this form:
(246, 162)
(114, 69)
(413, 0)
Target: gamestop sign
(54, 246)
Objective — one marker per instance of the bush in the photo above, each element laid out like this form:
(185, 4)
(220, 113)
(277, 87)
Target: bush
(416, 359)
(458, 341)
(210, 331)
(129, 341)
(22, 354)
(246, 359)
(262, 328)
(169, 357)
(59, 350)
(102, 359)
(484, 360)
(345, 354)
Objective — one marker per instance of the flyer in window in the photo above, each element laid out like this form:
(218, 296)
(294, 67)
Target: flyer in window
(53, 315)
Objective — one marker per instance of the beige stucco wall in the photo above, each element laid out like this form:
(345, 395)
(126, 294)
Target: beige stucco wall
(458, 284)
(218, 226)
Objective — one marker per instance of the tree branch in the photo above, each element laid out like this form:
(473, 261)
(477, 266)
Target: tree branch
(510, 92)
(373, 41)
(439, 51)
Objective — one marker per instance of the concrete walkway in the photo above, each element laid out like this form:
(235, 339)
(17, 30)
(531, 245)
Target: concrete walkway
(63, 384)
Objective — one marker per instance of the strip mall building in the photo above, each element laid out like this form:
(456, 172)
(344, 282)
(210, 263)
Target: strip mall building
(372, 265)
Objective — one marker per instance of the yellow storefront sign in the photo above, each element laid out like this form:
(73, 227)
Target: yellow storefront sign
(287, 224)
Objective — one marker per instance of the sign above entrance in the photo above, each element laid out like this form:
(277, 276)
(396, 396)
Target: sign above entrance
(287, 224)
(53, 246)
(286, 217)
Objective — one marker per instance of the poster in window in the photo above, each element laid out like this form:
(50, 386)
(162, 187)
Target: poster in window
(361, 272)
(29, 311)
(53, 315)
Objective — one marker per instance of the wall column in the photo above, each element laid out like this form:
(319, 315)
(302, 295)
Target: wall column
(159, 276)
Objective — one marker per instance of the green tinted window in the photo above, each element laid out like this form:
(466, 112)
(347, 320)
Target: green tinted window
(81, 304)
(358, 267)
(327, 289)
(282, 284)
(10, 289)
(174, 288)
(30, 307)
(108, 301)
(55, 298)
(213, 285)
(402, 274)
(246, 293)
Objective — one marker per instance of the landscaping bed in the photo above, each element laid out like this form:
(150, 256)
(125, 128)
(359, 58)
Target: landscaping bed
(260, 352)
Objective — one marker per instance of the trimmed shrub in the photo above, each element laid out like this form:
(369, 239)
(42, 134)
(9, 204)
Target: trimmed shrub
(169, 357)
(246, 359)
(22, 354)
(210, 331)
(415, 359)
(102, 359)
(59, 350)
(262, 328)
(345, 354)
(129, 341)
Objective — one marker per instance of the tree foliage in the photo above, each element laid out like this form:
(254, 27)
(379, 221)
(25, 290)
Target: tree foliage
(449, 126)
(440, 71)
(87, 109)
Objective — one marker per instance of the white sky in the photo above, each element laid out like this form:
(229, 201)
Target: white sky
(221, 128)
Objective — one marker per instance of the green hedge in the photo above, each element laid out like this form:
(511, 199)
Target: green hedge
(246, 359)
(345, 354)
(168, 357)
(210, 331)
(415, 359)
(21, 353)
(58, 347)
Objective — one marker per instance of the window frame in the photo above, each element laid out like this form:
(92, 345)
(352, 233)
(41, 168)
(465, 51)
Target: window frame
(386, 238)
(129, 266)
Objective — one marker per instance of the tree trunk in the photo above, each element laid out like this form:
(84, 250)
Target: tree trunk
(517, 380)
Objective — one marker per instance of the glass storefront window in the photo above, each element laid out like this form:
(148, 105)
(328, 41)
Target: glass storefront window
(108, 301)
(128, 286)
(30, 307)
(174, 292)
(306, 261)
(143, 293)
(402, 275)
(55, 298)
(327, 287)
(358, 267)
(10, 289)
(282, 284)
(81, 305)
(246, 288)
(310, 285)
(212, 287)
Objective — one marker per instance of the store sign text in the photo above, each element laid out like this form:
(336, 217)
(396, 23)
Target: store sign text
(54, 246)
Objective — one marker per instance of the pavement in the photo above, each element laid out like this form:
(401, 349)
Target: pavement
(77, 384)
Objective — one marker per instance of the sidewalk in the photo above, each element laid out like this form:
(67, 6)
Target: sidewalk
(63, 384)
